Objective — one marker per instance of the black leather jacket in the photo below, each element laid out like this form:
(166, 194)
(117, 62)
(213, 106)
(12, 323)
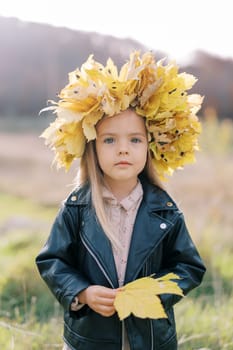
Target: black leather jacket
(78, 254)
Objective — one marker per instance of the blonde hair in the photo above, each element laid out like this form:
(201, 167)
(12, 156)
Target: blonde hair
(89, 171)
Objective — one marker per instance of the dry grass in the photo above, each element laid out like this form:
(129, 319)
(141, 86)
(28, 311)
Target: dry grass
(26, 170)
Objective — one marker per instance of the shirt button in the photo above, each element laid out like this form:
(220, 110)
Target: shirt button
(169, 204)
(73, 198)
(163, 226)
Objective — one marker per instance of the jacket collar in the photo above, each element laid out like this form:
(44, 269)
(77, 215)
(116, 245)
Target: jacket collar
(156, 199)
(80, 196)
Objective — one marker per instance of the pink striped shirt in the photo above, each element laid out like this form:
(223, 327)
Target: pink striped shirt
(122, 216)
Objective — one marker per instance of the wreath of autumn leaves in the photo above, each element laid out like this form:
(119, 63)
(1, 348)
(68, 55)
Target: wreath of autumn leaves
(156, 91)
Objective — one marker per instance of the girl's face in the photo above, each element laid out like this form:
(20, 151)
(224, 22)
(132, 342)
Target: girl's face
(121, 147)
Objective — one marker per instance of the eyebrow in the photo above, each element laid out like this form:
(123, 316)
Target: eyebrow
(116, 134)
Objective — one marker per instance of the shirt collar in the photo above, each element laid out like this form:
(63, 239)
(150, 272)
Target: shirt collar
(128, 202)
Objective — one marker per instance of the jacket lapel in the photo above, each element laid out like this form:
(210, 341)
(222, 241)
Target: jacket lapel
(100, 246)
(149, 230)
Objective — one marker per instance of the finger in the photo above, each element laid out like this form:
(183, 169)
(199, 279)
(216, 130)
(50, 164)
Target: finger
(106, 311)
(107, 292)
(106, 301)
(103, 308)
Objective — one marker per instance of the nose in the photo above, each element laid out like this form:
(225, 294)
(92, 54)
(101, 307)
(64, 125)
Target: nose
(123, 152)
(123, 148)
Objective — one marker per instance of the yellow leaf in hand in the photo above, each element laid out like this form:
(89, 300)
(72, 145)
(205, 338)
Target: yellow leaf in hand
(140, 297)
(138, 303)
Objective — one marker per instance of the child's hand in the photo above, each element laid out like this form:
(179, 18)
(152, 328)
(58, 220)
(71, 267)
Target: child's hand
(100, 299)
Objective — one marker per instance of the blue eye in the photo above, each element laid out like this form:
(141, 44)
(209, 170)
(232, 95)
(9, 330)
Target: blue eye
(136, 140)
(109, 140)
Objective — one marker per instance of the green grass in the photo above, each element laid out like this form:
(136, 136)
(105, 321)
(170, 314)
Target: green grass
(24, 228)
(205, 322)
(30, 318)
(31, 336)
(12, 206)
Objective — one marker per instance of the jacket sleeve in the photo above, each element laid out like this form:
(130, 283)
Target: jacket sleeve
(56, 261)
(182, 258)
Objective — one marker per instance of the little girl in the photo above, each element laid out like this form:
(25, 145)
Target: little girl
(118, 225)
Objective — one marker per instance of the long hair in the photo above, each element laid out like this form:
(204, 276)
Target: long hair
(89, 171)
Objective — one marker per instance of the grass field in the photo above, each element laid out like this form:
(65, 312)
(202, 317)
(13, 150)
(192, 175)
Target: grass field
(30, 193)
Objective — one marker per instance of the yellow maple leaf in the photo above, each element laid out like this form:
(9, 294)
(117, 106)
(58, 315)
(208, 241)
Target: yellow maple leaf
(140, 297)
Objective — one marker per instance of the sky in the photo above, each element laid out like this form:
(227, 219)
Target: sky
(176, 27)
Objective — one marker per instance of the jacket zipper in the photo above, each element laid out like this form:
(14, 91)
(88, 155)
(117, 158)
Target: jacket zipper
(97, 261)
(145, 273)
(152, 335)
(122, 335)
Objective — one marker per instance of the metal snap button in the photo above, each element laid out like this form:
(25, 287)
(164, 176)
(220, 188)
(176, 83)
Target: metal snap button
(73, 198)
(169, 204)
(163, 226)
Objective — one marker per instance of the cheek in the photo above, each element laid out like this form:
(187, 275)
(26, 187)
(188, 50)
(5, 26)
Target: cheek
(143, 155)
(99, 151)
(144, 162)
(102, 156)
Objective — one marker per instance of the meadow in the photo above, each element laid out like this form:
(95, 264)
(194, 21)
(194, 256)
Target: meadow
(30, 194)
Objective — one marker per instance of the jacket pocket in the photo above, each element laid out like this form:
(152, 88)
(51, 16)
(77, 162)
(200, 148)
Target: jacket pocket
(171, 344)
(165, 332)
(79, 342)
(86, 335)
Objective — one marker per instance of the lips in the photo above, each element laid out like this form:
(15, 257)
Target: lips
(123, 162)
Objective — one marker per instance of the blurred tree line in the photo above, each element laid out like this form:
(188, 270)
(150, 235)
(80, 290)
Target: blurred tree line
(36, 58)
